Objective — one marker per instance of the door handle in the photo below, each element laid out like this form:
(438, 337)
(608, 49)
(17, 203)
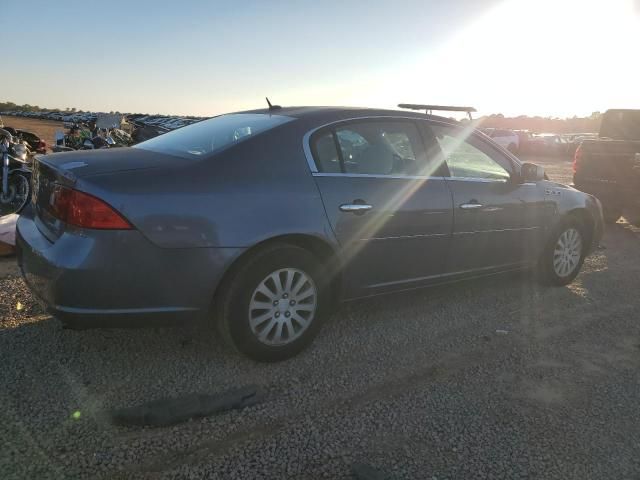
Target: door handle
(471, 206)
(355, 207)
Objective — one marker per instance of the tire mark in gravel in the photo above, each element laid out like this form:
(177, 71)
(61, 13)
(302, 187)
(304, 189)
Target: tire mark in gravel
(383, 390)
(377, 392)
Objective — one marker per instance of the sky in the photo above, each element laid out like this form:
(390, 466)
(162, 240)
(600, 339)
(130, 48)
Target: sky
(534, 57)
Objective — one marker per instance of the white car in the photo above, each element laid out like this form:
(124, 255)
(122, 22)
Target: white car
(505, 138)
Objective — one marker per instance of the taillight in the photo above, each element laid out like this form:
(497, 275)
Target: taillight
(576, 158)
(84, 210)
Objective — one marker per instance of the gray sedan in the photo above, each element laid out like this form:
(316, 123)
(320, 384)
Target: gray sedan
(261, 222)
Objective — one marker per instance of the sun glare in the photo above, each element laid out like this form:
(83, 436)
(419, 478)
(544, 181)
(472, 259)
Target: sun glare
(522, 57)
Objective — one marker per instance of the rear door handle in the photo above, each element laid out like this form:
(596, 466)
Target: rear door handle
(355, 207)
(471, 206)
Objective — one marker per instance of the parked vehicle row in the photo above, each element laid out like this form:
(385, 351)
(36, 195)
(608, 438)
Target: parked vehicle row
(261, 222)
(162, 122)
(70, 117)
(548, 144)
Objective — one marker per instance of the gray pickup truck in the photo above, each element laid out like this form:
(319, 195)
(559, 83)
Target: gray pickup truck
(609, 167)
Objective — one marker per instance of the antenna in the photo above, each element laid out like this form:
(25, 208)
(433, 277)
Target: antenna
(272, 107)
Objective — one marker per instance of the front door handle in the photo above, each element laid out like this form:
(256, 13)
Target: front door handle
(471, 206)
(355, 207)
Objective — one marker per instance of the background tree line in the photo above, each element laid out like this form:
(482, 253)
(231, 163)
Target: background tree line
(523, 122)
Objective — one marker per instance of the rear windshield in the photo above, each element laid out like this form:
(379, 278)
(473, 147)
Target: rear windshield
(211, 136)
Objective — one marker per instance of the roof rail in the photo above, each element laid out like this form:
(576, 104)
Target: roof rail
(429, 108)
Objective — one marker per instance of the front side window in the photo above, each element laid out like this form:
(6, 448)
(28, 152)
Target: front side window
(213, 135)
(464, 157)
(371, 148)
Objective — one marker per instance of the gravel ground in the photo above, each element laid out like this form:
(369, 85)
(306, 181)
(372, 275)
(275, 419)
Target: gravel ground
(498, 378)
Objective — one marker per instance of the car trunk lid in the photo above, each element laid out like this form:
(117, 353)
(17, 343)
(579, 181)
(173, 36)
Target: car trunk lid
(85, 163)
(69, 168)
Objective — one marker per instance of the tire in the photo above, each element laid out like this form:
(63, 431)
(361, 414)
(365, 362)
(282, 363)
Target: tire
(611, 213)
(18, 196)
(560, 265)
(252, 286)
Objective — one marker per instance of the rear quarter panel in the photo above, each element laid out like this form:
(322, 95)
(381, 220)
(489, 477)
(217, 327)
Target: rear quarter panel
(256, 190)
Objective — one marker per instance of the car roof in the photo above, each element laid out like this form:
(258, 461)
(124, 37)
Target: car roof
(329, 114)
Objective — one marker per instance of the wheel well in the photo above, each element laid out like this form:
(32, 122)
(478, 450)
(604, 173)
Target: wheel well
(322, 250)
(584, 217)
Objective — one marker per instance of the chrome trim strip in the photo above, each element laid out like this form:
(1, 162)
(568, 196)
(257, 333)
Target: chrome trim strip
(371, 175)
(494, 269)
(497, 230)
(307, 150)
(306, 147)
(425, 235)
(474, 179)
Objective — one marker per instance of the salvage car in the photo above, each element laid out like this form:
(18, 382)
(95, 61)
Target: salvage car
(505, 138)
(263, 221)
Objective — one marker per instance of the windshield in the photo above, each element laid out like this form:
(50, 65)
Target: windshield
(213, 135)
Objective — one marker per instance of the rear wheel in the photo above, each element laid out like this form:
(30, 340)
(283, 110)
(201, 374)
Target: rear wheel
(564, 254)
(271, 307)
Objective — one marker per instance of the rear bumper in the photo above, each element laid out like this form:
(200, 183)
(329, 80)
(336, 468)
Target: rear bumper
(92, 279)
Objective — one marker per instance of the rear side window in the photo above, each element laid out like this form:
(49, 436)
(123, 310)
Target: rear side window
(371, 148)
(210, 136)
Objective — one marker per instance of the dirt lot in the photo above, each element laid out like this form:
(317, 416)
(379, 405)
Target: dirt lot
(497, 378)
(45, 129)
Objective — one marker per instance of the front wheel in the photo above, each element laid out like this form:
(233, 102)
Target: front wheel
(564, 254)
(17, 195)
(271, 307)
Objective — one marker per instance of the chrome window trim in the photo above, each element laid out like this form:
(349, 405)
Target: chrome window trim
(375, 175)
(477, 179)
(306, 145)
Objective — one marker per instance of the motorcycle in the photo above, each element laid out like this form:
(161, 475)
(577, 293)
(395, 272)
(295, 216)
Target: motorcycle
(80, 138)
(16, 175)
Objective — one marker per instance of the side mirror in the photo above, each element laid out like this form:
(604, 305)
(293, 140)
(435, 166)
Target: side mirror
(530, 172)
